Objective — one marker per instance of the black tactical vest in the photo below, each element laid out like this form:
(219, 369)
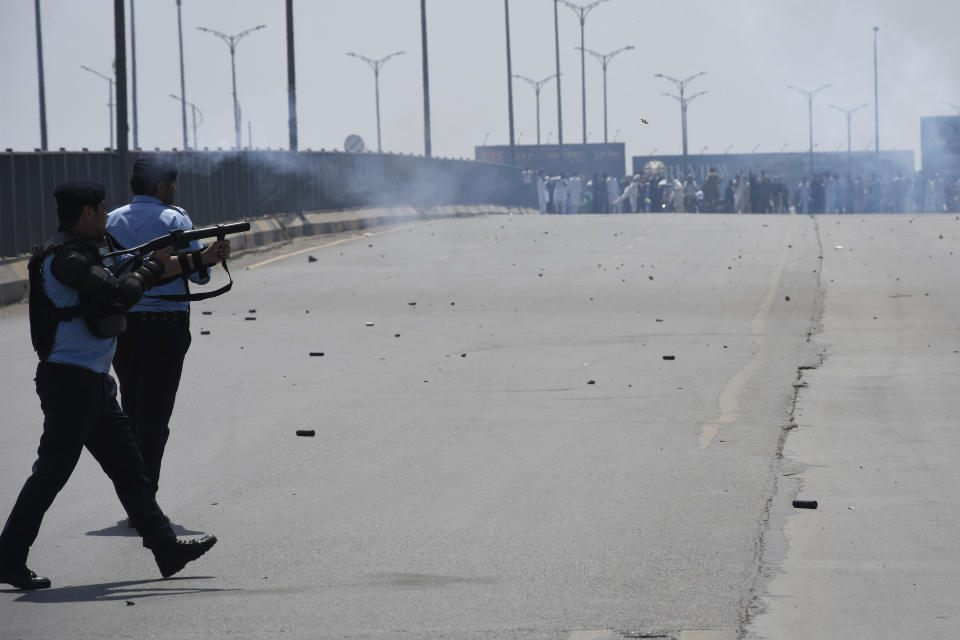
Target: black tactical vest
(104, 321)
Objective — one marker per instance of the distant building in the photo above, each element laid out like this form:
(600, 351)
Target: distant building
(940, 145)
(555, 159)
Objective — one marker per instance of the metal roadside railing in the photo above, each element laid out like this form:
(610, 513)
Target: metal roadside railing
(223, 186)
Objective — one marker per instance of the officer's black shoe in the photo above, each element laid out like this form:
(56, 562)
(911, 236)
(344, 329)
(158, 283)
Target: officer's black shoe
(176, 556)
(22, 578)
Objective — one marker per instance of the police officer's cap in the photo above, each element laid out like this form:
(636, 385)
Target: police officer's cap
(76, 194)
(154, 170)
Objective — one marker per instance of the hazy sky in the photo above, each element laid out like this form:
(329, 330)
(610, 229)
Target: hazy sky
(751, 49)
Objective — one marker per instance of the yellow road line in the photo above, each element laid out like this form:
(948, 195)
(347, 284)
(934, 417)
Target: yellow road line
(336, 242)
(730, 396)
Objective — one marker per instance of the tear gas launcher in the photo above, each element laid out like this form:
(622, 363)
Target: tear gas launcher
(177, 240)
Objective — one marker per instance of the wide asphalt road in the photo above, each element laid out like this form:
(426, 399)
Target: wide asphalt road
(575, 427)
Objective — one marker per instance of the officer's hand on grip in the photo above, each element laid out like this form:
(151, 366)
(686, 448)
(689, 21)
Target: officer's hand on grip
(217, 251)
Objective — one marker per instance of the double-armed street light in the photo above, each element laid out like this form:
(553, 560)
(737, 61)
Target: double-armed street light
(849, 113)
(682, 99)
(232, 41)
(195, 111)
(605, 59)
(109, 97)
(537, 86)
(810, 95)
(582, 11)
(376, 65)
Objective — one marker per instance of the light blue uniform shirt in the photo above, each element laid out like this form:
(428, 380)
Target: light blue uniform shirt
(144, 219)
(73, 342)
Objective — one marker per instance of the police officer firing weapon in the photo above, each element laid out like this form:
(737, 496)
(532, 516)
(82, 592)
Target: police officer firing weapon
(77, 310)
(150, 353)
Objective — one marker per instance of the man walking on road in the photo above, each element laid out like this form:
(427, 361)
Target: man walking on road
(150, 353)
(76, 311)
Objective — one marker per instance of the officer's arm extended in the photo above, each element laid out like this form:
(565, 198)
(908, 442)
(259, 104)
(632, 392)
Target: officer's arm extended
(78, 271)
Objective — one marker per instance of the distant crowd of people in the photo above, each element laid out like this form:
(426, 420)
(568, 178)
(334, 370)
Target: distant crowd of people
(751, 193)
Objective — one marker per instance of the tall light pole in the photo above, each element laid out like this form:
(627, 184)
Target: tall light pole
(810, 95)
(506, 14)
(876, 97)
(582, 12)
(291, 80)
(537, 85)
(605, 59)
(120, 80)
(183, 82)
(376, 65)
(683, 100)
(133, 76)
(427, 151)
(556, 45)
(109, 98)
(195, 110)
(849, 113)
(43, 96)
(232, 41)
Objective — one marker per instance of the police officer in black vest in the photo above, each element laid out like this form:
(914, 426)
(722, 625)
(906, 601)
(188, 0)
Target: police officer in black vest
(77, 308)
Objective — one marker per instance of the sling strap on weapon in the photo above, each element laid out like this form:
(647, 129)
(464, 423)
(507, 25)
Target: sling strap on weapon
(179, 240)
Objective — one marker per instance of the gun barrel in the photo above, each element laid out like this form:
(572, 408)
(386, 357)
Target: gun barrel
(180, 239)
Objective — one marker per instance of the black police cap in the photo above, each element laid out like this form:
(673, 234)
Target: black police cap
(78, 193)
(154, 170)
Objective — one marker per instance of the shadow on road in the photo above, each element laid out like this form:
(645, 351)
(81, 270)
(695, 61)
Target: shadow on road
(122, 530)
(129, 590)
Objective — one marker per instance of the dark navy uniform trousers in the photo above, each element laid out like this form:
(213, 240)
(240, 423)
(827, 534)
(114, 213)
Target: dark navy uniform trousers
(80, 410)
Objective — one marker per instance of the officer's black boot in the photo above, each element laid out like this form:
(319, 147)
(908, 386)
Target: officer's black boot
(175, 556)
(22, 578)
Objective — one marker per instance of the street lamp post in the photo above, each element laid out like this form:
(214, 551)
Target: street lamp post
(133, 76)
(556, 45)
(810, 95)
(849, 113)
(195, 110)
(506, 14)
(183, 82)
(876, 96)
(232, 41)
(683, 100)
(427, 145)
(376, 65)
(109, 97)
(605, 59)
(41, 83)
(537, 85)
(582, 12)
